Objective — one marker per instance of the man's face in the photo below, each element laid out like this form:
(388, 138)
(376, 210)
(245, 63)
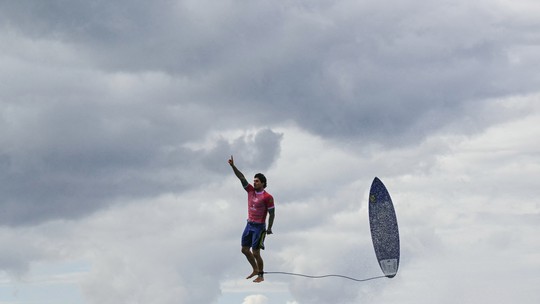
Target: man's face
(258, 185)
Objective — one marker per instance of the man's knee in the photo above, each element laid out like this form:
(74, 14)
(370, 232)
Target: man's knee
(245, 250)
(257, 253)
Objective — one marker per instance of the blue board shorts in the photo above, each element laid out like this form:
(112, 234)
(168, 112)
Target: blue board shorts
(254, 235)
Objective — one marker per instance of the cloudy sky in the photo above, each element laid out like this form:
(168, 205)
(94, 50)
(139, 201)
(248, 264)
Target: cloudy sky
(117, 119)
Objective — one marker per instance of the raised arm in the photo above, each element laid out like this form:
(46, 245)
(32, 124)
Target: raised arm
(237, 172)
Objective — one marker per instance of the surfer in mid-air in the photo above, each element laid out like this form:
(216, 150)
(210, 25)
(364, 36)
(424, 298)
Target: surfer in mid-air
(260, 203)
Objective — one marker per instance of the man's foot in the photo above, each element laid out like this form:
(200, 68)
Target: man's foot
(254, 273)
(259, 279)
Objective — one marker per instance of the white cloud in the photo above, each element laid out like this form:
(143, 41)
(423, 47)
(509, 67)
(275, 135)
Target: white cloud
(255, 299)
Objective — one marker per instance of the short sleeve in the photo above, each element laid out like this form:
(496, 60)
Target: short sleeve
(270, 202)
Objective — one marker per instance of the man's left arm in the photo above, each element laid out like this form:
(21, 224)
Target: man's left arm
(272, 215)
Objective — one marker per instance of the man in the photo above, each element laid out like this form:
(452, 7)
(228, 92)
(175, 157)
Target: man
(260, 203)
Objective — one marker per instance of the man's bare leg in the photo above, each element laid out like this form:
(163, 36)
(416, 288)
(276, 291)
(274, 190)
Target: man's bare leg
(252, 261)
(260, 264)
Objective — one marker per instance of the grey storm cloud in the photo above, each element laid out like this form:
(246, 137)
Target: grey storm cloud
(348, 71)
(70, 159)
(117, 119)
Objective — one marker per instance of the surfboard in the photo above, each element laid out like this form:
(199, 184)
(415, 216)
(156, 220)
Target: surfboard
(384, 228)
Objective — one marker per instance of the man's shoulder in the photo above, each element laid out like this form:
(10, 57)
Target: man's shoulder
(268, 196)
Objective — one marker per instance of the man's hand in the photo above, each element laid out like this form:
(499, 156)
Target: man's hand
(231, 161)
(269, 231)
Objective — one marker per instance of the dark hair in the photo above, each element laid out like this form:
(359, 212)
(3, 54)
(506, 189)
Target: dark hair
(262, 178)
